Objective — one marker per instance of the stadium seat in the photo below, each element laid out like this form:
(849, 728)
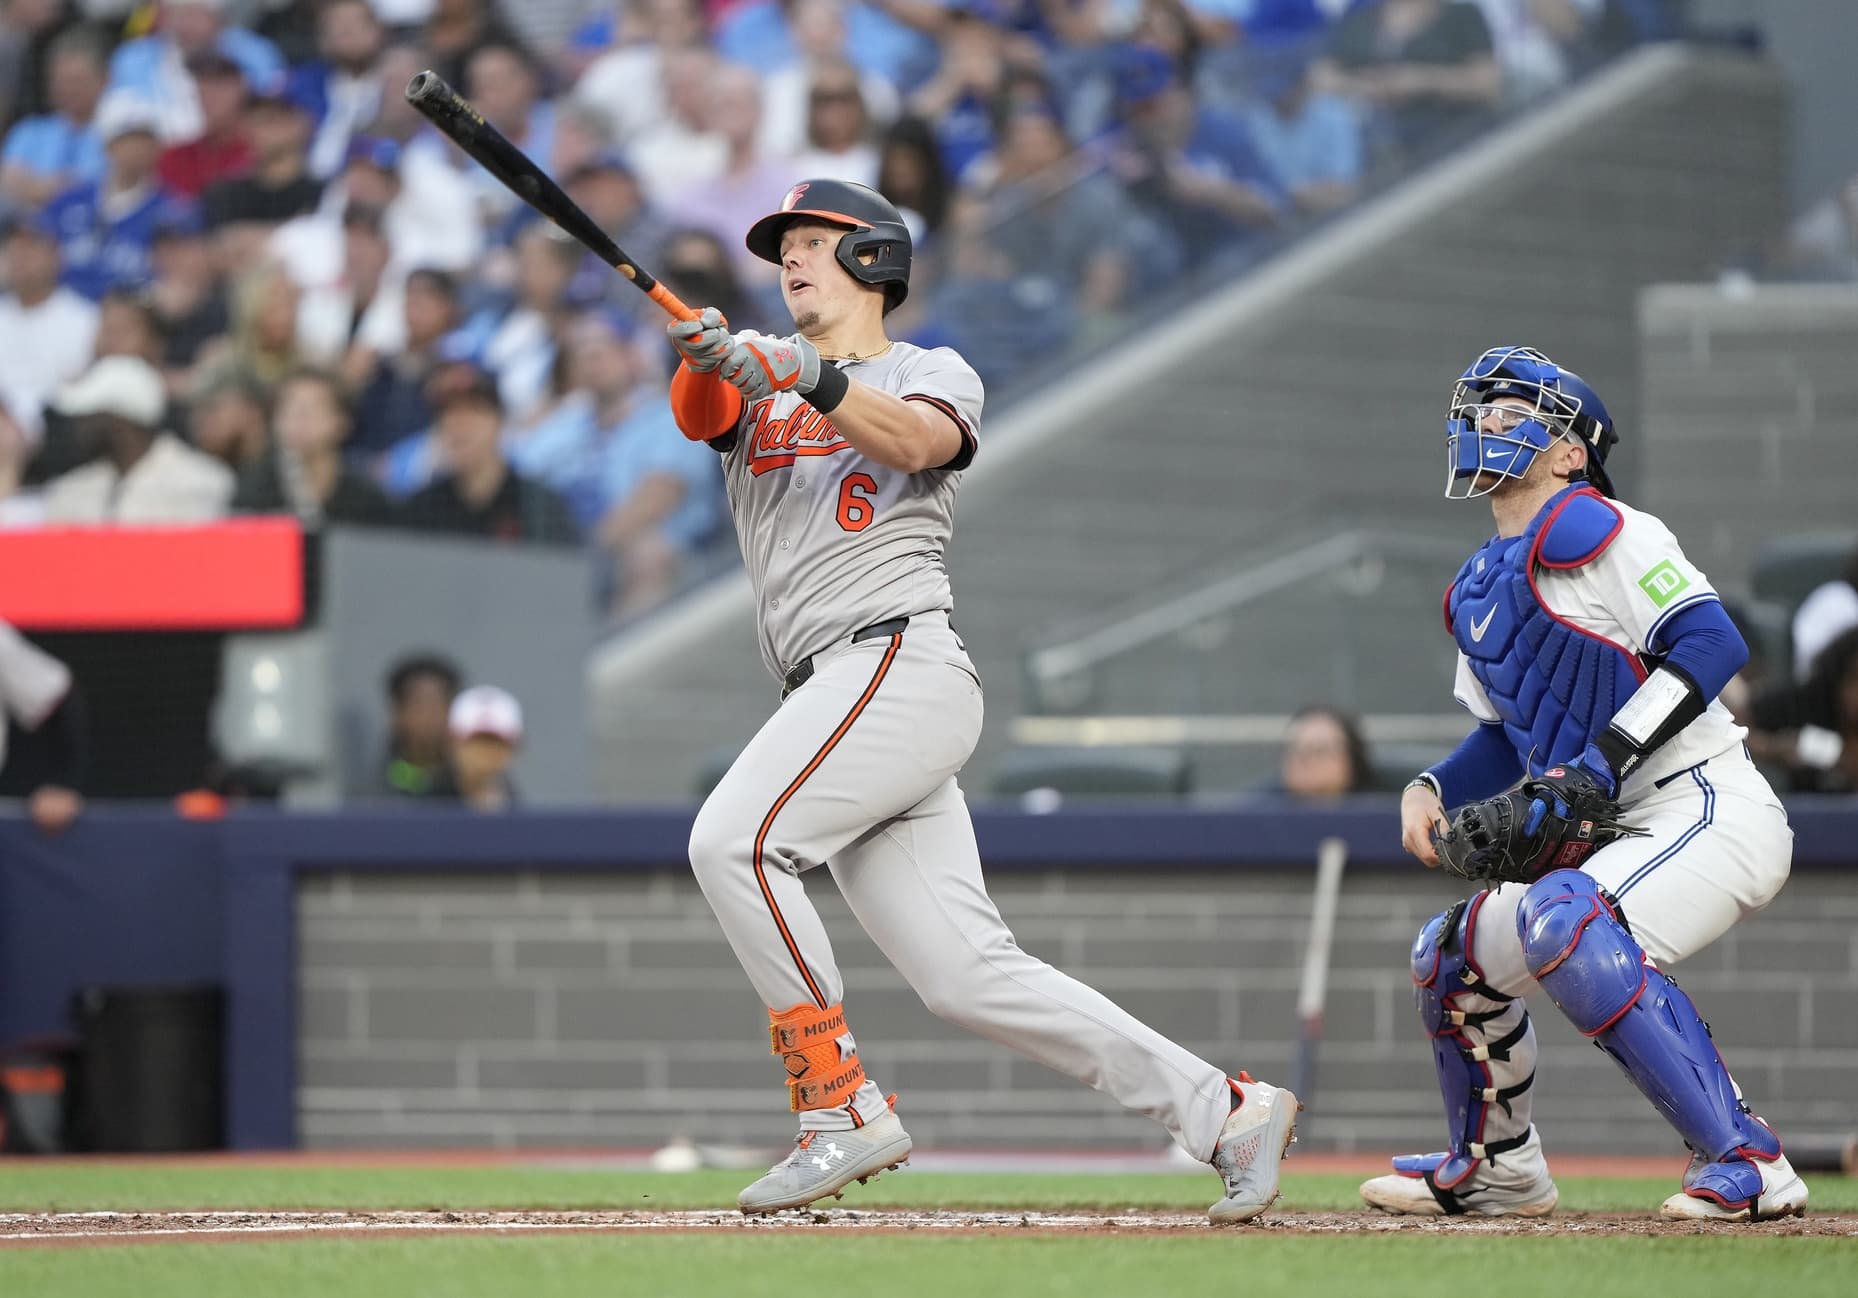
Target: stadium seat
(1768, 627)
(1394, 764)
(1787, 569)
(711, 769)
(1094, 771)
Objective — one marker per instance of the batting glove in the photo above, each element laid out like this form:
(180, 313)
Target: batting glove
(703, 342)
(762, 366)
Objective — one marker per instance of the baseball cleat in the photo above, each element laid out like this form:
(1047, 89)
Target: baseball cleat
(823, 1163)
(1518, 1186)
(1256, 1138)
(1739, 1190)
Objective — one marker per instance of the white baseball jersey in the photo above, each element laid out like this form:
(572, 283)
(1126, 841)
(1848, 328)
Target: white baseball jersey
(833, 541)
(1625, 595)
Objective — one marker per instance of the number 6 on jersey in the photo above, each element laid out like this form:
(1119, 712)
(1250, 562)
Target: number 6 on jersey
(857, 501)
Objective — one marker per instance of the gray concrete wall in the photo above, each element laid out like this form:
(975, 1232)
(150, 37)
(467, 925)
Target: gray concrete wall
(530, 1009)
(520, 617)
(1815, 42)
(1750, 415)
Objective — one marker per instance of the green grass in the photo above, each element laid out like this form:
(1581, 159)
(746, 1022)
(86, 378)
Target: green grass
(1252, 1263)
(72, 1187)
(1225, 1263)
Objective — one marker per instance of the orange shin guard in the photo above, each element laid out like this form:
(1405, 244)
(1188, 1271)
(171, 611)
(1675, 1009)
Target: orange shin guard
(821, 1059)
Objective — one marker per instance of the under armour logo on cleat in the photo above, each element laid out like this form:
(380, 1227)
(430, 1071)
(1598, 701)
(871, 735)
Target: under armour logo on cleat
(829, 1155)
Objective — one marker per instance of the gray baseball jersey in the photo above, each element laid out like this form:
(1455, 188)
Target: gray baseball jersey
(833, 541)
(857, 769)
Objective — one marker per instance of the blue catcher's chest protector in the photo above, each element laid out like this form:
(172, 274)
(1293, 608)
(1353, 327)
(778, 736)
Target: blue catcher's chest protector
(1555, 687)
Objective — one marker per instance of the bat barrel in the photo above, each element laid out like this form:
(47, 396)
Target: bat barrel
(438, 103)
(424, 86)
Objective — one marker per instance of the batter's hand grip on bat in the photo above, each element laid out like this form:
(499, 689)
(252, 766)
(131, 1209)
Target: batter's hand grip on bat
(446, 109)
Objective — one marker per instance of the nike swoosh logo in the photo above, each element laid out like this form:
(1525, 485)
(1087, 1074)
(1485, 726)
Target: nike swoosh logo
(1501, 450)
(1478, 628)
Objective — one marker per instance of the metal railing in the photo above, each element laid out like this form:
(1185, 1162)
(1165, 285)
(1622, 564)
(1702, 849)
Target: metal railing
(1071, 698)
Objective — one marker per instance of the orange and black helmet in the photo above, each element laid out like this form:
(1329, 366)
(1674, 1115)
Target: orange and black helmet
(878, 228)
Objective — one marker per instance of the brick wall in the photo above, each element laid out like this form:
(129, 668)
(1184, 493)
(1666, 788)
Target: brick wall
(604, 1009)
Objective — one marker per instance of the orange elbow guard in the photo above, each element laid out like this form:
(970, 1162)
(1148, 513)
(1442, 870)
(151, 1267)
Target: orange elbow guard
(704, 406)
(820, 1056)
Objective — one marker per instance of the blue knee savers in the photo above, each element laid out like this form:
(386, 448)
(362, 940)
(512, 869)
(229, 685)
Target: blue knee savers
(1472, 1070)
(1581, 952)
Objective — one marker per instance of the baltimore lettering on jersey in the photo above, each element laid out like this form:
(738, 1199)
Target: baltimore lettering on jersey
(777, 440)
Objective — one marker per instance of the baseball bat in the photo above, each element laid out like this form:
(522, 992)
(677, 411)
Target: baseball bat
(446, 109)
(1312, 990)
(1824, 1154)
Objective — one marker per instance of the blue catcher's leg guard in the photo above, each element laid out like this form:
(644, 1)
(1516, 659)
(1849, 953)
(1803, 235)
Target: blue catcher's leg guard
(1578, 947)
(1484, 1049)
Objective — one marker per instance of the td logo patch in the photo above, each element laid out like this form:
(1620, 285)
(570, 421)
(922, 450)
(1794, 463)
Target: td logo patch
(1664, 583)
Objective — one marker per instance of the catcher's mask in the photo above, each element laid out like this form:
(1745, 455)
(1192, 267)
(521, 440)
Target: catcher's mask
(1487, 443)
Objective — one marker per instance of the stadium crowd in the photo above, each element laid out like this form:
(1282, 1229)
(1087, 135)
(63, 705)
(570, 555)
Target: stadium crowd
(241, 274)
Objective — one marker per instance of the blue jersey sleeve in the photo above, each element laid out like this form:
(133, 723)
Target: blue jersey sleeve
(1700, 641)
(1484, 765)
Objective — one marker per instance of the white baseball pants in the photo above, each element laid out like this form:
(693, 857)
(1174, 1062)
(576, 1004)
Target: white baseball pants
(856, 770)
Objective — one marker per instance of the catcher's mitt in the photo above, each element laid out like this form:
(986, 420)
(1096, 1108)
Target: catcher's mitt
(1551, 823)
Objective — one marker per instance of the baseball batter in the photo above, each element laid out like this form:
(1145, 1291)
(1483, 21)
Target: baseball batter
(1592, 652)
(843, 452)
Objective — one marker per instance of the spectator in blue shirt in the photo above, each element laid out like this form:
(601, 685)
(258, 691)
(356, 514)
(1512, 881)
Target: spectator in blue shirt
(343, 85)
(886, 38)
(505, 86)
(1263, 27)
(960, 97)
(1311, 141)
(1273, 23)
(391, 405)
(650, 495)
(1193, 167)
(154, 67)
(44, 156)
(105, 228)
(606, 188)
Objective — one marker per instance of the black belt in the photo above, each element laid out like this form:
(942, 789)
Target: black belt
(803, 670)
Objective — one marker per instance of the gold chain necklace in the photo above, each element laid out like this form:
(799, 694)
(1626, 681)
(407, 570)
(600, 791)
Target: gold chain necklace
(852, 356)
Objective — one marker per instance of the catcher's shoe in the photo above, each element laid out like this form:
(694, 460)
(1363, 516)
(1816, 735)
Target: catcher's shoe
(1739, 1190)
(1256, 1138)
(1518, 1186)
(823, 1163)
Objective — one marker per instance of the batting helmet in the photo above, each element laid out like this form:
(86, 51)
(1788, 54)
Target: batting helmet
(877, 225)
(1561, 404)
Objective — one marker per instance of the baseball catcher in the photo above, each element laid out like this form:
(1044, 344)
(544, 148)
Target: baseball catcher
(1604, 780)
